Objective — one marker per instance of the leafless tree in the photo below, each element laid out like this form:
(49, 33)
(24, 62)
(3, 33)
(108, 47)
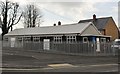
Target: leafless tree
(32, 16)
(9, 15)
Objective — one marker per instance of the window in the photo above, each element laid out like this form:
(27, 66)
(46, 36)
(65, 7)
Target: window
(85, 39)
(5, 39)
(27, 39)
(71, 39)
(19, 39)
(36, 39)
(103, 39)
(58, 39)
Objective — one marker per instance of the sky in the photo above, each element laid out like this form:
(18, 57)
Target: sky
(71, 11)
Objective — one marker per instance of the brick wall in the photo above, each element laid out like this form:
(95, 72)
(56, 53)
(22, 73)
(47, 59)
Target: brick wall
(111, 29)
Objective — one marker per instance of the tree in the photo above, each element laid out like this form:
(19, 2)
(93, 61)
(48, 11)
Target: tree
(9, 16)
(32, 16)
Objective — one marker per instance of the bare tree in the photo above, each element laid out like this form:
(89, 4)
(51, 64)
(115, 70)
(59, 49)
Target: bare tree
(32, 16)
(9, 16)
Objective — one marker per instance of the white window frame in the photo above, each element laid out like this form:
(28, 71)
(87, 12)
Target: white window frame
(19, 39)
(6, 39)
(58, 39)
(85, 41)
(27, 38)
(102, 40)
(36, 39)
(71, 39)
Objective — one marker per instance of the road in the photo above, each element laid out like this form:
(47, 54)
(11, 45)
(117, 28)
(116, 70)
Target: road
(70, 68)
(28, 61)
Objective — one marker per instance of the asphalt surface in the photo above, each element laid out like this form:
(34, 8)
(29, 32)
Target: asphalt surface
(29, 61)
(70, 68)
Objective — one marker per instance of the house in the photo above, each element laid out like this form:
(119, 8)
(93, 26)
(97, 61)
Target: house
(105, 25)
(78, 32)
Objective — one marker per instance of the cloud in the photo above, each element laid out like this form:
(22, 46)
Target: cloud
(73, 1)
(83, 9)
(69, 1)
(70, 11)
(115, 9)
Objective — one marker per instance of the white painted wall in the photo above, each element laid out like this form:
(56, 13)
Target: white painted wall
(91, 30)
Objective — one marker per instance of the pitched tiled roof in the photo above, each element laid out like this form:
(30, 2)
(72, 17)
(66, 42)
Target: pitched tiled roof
(62, 29)
(99, 22)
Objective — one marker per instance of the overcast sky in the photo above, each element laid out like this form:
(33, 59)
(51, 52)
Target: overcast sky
(71, 11)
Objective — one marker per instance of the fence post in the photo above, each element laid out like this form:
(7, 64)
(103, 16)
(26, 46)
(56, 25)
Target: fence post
(113, 49)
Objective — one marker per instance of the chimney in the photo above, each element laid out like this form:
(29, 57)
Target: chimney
(54, 24)
(59, 23)
(94, 17)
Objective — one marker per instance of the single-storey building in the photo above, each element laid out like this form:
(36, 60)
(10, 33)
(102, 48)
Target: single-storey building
(70, 33)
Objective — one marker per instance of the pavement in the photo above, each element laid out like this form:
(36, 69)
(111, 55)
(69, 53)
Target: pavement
(26, 61)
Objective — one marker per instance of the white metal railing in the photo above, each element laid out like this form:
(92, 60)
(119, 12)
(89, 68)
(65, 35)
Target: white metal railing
(69, 48)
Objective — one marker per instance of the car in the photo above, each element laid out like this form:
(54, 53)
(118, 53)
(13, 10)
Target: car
(116, 46)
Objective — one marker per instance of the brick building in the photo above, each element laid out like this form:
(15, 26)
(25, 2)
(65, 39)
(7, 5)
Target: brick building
(106, 25)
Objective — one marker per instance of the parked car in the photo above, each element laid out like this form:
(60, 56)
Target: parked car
(116, 46)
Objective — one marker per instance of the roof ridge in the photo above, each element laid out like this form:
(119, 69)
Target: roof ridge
(97, 18)
(104, 17)
(55, 26)
(49, 26)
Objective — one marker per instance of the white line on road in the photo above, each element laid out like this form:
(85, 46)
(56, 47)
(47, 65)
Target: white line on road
(111, 71)
(100, 65)
(64, 65)
(59, 67)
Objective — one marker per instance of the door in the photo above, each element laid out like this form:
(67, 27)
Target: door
(12, 42)
(46, 44)
(98, 45)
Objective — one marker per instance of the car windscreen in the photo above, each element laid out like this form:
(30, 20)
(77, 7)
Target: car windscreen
(117, 42)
